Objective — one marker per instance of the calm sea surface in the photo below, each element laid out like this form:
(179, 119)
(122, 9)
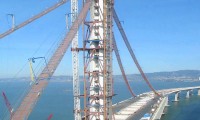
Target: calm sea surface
(57, 99)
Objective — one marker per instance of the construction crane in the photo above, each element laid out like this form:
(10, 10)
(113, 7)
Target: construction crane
(50, 116)
(14, 28)
(8, 105)
(117, 21)
(32, 74)
(32, 96)
(31, 70)
(97, 55)
(99, 94)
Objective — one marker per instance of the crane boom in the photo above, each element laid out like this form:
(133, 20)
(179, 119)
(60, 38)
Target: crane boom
(121, 66)
(13, 29)
(131, 51)
(33, 94)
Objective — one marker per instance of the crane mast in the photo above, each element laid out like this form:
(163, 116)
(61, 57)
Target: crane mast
(48, 10)
(97, 51)
(75, 64)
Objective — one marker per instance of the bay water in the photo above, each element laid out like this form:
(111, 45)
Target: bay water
(57, 99)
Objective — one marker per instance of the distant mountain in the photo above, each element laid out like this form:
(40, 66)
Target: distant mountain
(181, 75)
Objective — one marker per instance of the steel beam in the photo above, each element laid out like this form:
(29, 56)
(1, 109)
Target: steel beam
(75, 63)
(31, 98)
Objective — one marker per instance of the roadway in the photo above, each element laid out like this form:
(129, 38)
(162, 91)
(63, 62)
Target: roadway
(135, 108)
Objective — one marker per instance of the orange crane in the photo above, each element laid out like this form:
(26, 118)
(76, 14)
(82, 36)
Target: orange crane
(8, 105)
(131, 51)
(33, 18)
(33, 94)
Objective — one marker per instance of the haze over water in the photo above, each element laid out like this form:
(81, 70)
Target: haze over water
(57, 99)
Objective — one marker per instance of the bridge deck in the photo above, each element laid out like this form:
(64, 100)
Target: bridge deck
(134, 107)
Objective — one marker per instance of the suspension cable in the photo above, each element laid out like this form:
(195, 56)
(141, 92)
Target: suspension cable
(131, 51)
(121, 66)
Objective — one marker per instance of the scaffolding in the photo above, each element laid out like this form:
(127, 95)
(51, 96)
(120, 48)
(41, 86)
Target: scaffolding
(97, 50)
(75, 64)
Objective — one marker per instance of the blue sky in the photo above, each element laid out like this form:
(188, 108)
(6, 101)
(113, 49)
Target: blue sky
(165, 35)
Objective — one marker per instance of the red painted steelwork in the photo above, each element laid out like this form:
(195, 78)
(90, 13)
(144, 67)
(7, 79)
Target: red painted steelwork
(33, 94)
(121, 67)
(33, 18)
(8, 105)
(50, 116)
(131, 51)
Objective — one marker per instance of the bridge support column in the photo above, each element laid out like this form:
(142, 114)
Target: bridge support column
(176, 97)
(198, 92)
(188, 93)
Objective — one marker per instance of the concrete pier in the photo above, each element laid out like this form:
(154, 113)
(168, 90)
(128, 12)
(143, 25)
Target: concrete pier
(176, 97)
(198, 93)
(189, 93)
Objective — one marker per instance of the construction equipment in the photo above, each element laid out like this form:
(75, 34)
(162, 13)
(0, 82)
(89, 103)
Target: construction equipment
(32, 74)
(8, 105)
(31, 98)
(14, 28)
(98, 66)
(50, 116)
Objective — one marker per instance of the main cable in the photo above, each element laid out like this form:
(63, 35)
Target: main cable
(131, 51)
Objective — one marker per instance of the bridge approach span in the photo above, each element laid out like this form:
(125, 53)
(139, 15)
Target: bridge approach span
(135, 108)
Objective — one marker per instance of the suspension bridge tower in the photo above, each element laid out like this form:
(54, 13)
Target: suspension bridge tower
(97, 49)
